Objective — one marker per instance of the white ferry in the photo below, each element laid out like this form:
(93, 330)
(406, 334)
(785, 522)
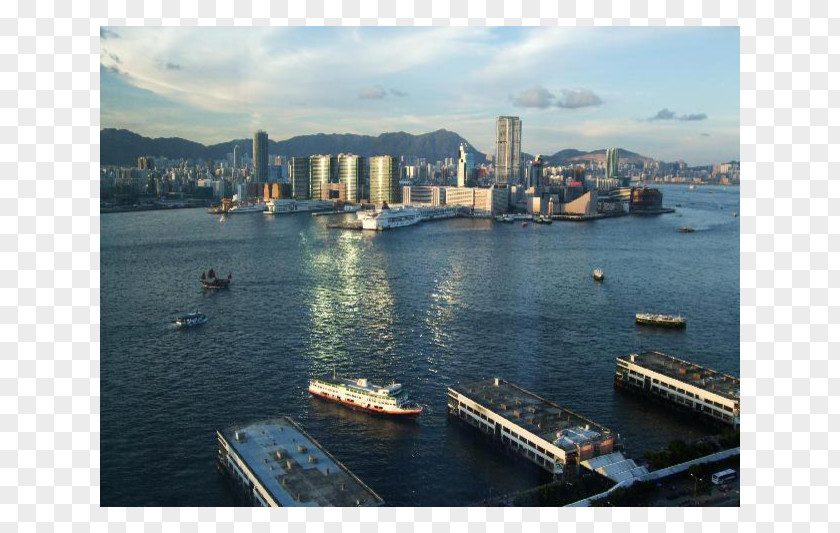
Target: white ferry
(387, 218)
(360, 394)
(241, 209)
(287, 205)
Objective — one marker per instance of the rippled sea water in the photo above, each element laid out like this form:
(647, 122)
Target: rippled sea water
(430, 305)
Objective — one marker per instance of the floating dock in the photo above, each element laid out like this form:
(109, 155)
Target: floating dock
(278, 465)
(553, 437)
(682, 384)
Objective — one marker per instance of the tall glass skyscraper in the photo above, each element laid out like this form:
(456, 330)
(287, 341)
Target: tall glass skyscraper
(508, 163)
(612, 163)
(384, 180)
(322, 169)
(299, 176)
(352, 172)
(260, 157)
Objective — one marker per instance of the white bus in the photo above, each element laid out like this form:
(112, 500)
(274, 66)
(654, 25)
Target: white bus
(724, 476)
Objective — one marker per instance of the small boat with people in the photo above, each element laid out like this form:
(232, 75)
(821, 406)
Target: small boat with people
(209, 280)
(669, 321)
(365, 396)
(598, 274)
(191, 320)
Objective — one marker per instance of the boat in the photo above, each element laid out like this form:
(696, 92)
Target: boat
(210, 281)
(280, 206)
(735, 215)
(686, 229)
(669, 321)
(386, 218)
(245, 209)
(691, 187)
(507, 218)
(542, 219)
(191, 320)
(598, 274)
(524, 224)
(363, 395)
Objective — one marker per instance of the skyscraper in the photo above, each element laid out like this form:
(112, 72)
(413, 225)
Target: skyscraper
(508, 150)
(352, 172)
(466, 165)
(260, 157)
(384, 179)
(322, 169)
(299, 176)
(535, 173)
(236, 156)
(612, 163)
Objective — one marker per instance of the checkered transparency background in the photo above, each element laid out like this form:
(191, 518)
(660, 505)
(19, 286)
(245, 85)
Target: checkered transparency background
(49, 244)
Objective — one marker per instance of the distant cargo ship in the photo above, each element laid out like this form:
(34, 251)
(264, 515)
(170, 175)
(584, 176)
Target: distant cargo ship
(669, 321)
(360, 394)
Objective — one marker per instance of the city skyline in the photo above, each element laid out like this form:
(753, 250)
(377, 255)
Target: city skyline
(666, 92)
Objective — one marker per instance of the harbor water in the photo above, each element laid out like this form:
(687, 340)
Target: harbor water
(430, 305)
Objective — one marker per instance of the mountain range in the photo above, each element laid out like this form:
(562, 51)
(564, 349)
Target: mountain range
(123, 147)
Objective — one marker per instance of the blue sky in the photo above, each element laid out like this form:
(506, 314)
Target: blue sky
(669, 93)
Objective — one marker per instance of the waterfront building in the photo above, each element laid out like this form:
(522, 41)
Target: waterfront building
(508, 161)
(384, 180)
(299, 176)
(334, 192)
(322, 169)
(482, 201)
(353, 173)
(277, 464)
(585, 204)
(681, 383)
(645, 199)
(260, 157)
(611, 164)
(424, 195)
(466, 166)
(547, 434)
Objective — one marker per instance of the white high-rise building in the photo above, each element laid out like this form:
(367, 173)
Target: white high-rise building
(508, 162)
(466, 165)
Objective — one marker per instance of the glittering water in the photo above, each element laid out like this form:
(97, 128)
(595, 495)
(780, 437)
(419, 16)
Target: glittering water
(430, 305)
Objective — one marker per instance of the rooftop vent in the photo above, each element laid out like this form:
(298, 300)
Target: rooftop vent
(312, 459)
(301, 448)
(239, 435)
(280, 453)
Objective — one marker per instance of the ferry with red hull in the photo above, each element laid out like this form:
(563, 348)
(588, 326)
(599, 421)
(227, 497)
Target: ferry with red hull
(363, 395)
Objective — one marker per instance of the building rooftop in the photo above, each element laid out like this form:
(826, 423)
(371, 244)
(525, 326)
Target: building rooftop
(687, 372)
(302, 473)
(547, 420)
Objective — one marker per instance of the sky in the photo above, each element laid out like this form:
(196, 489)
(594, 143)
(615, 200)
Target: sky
(667, 93)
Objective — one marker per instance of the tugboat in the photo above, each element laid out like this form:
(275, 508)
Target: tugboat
(210, 281)
(191, 320)
(686, 229)
(668, 321)
(598, 274)
(365, 396)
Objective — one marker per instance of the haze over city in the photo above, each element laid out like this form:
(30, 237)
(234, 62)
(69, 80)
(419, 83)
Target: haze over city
(663, 92)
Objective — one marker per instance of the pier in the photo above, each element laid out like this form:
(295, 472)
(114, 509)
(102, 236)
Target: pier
(682, 384)
(547, 434)
(277, 464)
